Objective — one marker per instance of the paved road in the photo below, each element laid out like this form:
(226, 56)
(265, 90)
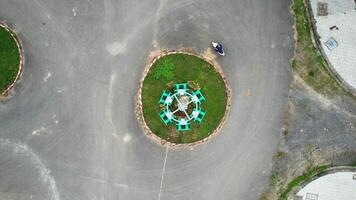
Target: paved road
(69, 132)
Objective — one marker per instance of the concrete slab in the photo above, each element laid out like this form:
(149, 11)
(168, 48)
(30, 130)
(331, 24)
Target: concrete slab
(340, 186)
(342, 15)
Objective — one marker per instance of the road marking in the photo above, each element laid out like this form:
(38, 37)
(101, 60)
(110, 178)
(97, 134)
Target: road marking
(44, 173)
(248, 93)
(108, 109)
(116, 48)
(38, 131)
(61, 90)
(156, 22)
(54, 117)
(103, 181)
(74, 12)
(162, 176)
(126, 138)
(49, 74)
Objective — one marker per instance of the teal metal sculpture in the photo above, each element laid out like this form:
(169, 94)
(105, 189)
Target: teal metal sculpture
(178, 104)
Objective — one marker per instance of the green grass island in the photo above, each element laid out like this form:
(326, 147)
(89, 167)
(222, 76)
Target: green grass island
(196, 76)
(9, 59)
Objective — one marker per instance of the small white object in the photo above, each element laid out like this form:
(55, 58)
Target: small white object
(169, 100)
(126, 138)
(195, 113)
(182, 122)
(182, 106)
(181, 92)
(214, 44)
(74, 12)
(169, 115)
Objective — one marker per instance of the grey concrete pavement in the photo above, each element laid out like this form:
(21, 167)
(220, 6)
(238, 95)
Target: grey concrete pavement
(342, 14)
(69, 132)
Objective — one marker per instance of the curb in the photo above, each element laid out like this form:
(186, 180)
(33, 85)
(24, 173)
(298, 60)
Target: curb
(138, 100)
(318, 46)
(329, 170)
(22, 59)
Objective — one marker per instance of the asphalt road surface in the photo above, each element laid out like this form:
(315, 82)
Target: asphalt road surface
(70, 133)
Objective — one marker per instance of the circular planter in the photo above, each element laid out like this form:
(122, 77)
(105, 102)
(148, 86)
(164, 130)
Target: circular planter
(8, 85)
(199, 73)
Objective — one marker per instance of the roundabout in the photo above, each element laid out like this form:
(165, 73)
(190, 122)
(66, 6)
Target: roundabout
(183, 99)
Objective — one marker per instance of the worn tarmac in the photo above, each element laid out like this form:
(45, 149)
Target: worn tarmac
(69, 131)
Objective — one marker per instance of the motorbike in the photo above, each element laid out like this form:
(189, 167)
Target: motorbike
(218, 48)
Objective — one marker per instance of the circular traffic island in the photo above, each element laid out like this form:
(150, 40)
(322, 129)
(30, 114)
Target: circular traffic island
(183, 99)
(11, 59)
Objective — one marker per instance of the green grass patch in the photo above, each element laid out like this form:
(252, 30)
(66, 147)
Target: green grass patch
(302, 179)
(9, 59)
(307, 62)
(180, 68)
(353, 164)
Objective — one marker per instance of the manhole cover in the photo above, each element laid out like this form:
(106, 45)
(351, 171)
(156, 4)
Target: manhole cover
(331, 43)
